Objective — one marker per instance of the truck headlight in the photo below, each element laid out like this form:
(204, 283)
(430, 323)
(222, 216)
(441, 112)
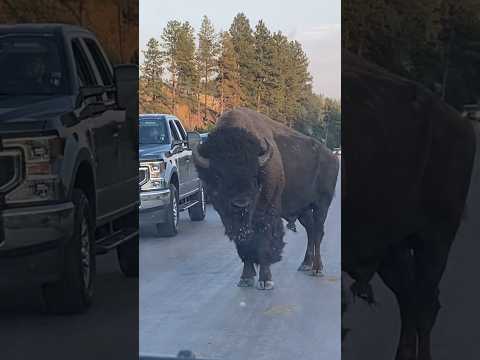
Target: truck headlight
(156, 170)
(41, 182)
(34, 190)
(159, 184)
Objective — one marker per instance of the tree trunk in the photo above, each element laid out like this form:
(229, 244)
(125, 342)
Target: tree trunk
(174, 92)
(205, 92)
(222, 99)
(80, 11)
(198, 103)
(258, 99)
(446, 68)
(120, 28)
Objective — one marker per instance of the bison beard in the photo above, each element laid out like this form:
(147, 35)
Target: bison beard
(265, 244)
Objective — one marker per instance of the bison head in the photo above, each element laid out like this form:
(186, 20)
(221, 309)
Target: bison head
(230, 165)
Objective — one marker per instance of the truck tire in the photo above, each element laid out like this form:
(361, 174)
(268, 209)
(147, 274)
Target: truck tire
(170, 226)
(127, 254)
(73, 292)
(198, 212)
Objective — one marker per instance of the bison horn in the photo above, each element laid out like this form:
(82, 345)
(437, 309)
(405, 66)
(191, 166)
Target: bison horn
(199, 160)
(266, 155)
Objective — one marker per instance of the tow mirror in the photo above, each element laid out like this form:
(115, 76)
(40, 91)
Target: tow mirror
(194, 139)
(91, 91)
(126, 84)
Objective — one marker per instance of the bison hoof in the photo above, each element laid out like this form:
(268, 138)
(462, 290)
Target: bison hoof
(305, 267)
(265, 285)
(317, 272)
(246, 282)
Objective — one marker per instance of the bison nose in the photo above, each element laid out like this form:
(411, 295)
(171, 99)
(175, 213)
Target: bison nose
(241, 203)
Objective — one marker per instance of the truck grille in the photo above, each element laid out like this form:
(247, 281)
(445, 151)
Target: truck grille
(10, 169)
(142, 175)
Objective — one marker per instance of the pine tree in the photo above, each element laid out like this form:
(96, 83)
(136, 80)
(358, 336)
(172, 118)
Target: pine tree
(243, 43)
(278, 84)
(206, 56)
(169, 44)
(298, 81)
(264, 53)
(185, 55)
(178, 43)
(152, 69)
(228, 80)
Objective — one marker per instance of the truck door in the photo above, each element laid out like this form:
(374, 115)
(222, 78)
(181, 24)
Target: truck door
(97, 132)
(193, 182)
(124, 129)
(179, 158)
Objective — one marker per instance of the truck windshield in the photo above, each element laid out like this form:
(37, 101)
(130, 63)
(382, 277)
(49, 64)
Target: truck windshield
(153, 131)
(30, 65)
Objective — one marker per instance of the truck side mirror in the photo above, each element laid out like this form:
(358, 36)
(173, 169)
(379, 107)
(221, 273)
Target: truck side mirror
(87, 92)
(126, 84)
(91, 91)
(176, 143)
(194, 139)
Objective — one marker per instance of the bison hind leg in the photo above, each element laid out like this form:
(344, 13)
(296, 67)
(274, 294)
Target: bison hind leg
(306, 219)
(431, 256)
(305, 267)
(397, 271)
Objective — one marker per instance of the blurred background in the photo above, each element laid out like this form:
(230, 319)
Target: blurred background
(198, 60)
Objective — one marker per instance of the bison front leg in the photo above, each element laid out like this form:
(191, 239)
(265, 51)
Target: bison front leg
(248, 275)
(265, 278)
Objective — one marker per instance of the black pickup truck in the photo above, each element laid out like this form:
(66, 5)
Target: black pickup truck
(68, 161)
(168, 178)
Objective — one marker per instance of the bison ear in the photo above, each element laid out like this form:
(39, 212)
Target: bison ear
(265, 155)
(199, 160)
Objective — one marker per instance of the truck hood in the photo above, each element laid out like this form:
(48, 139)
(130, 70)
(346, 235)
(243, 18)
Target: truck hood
(31, 112)
(152, 151)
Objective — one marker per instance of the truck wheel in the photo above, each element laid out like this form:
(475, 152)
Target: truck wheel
(170, 226)
(73, 293)
(198, 212)
(127, 254)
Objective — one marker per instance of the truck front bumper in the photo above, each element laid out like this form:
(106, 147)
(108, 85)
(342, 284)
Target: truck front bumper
(31, 244)
(154, 206)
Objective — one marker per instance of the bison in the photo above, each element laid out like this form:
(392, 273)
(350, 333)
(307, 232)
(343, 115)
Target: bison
(257, 171)
(406, 170)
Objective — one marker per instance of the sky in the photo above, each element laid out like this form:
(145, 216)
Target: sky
(314, 23)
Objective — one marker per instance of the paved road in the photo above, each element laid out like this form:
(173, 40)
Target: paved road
(189, 298)
(375, 331)
(109, 330)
